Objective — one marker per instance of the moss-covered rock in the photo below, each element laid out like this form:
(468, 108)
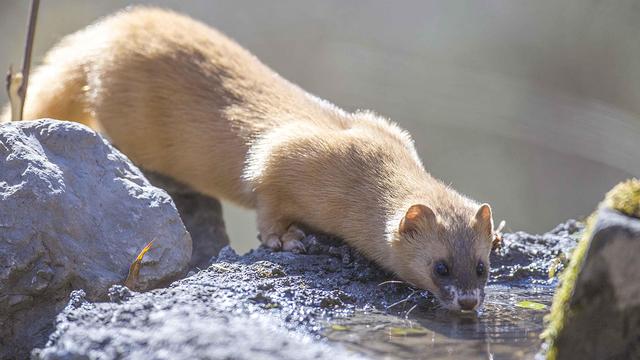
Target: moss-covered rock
(625, 197)
(596, 309)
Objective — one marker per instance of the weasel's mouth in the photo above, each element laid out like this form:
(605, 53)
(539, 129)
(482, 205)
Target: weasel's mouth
(454, 307)
(464, 301)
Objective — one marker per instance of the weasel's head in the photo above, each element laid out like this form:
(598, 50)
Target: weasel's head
(447, 255)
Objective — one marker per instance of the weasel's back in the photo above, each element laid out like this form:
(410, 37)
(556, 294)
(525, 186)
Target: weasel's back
(178, 97)
(175, 95)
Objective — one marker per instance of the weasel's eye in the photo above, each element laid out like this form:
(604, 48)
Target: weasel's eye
(480, 269)
(442, 269)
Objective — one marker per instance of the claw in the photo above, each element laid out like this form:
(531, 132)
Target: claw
(273, 242)
(295, 246)
(291, 240)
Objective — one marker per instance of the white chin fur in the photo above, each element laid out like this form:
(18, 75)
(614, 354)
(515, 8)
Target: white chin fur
(457, 295)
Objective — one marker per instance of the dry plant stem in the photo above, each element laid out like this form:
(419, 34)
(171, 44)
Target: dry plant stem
(17, 82)
(134, 270)
(14, 83)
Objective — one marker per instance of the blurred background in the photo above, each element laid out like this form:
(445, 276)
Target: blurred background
(532, 106)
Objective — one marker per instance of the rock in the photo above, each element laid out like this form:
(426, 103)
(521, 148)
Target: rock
(201, 214)
(271, 301)
(596, 311)
(74, 214)
(528, 257)
(145, 329)
(256, 297)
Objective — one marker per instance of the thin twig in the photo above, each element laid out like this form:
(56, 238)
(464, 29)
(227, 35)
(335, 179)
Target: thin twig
(28, 50)
(17, 82)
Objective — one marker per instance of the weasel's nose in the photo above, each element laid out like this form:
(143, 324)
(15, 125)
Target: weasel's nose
(468, 303)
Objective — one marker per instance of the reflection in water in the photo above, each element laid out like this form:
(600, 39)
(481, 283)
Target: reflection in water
(500, 331)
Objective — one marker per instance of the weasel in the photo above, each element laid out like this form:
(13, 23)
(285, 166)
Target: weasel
(182, 99)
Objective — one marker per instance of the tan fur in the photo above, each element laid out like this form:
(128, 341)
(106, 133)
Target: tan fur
(182, 99)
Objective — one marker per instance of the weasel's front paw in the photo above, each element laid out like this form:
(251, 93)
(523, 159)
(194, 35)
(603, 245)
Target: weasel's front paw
(272, 241)
(292, 240)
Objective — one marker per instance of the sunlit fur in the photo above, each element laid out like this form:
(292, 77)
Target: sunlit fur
(182, 99)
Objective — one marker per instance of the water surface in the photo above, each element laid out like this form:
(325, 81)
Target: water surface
(501, 330)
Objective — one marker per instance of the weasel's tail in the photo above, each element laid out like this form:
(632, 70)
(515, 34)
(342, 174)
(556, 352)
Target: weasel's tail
(57, 88)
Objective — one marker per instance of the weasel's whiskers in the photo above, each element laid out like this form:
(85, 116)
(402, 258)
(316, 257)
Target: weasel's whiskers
(406, 316)
(394, 282)
(402, 301)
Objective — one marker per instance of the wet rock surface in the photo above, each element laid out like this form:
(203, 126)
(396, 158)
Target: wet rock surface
(202, 216)
(605, 304)
(173, 327)
(528, 257)
(74, 214)
(301, 297)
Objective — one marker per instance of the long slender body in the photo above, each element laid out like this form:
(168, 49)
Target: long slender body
(182, 99)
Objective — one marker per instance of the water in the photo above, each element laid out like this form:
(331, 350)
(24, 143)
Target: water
(501, 330)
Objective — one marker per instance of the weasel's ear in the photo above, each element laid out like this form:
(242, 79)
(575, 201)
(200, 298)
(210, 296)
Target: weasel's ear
(483, 221)
(416, 216)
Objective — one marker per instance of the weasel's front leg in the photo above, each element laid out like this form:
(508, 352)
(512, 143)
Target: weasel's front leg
(292, 240)
(278, 233)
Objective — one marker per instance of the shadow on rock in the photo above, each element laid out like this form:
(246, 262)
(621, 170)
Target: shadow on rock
(202, 216)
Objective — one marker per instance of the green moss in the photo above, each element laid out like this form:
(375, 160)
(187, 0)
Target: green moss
(560, 309)
(625, 197)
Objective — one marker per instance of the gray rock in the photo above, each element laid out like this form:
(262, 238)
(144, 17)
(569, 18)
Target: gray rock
(74, 213)
(241, 307)
(527, 257)
(605, 305)
(201, 214)
(146, 327)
